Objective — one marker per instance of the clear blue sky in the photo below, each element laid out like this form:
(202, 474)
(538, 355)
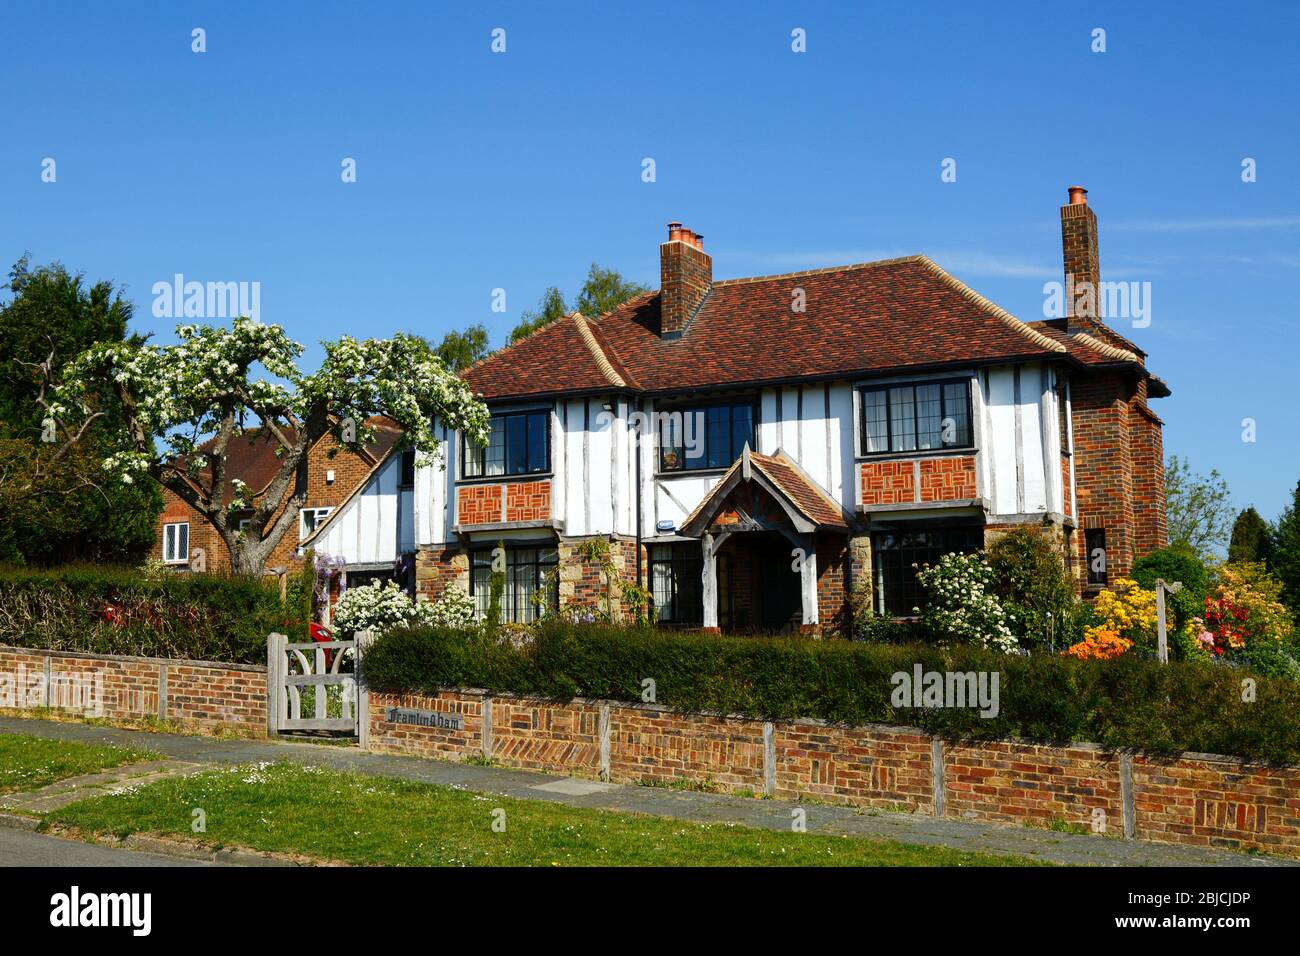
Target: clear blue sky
(479, 170)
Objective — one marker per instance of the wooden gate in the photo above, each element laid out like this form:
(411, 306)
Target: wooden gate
(322, 666)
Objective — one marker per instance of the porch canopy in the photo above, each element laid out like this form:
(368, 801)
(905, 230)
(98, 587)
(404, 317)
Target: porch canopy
(765, 493)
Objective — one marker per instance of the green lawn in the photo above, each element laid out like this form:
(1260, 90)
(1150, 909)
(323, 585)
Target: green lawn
(374, 821)
(28, 763)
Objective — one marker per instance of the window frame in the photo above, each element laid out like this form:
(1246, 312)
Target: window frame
(502, 416)
(1093, 578)
(176, 560)
(540, 570)
(303, 533)
(913, 384)
(881, 589)
(755, 411)
(678, 557)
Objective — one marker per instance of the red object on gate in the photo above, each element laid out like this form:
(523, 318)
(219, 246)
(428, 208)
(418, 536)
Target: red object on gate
(322, 635)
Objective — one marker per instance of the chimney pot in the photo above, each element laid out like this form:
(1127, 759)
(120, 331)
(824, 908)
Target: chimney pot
(699, 242)
(1078, 196)
(674, 231)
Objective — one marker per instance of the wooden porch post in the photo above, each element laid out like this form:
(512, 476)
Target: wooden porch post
(710, 576)
(808, 580)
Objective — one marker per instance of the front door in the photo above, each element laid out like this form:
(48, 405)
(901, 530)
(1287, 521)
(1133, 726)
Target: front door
(780, 601)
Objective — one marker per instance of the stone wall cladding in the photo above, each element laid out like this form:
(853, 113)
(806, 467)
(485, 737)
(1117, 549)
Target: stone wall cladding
(200, 695)
(436, 569)
(1197, 799)
(948, 479)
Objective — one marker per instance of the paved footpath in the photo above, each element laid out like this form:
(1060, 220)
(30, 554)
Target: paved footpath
(1041, 844)
(21, 848)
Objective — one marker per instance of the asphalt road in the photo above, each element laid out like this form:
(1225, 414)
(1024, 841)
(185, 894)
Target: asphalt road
(24, 848)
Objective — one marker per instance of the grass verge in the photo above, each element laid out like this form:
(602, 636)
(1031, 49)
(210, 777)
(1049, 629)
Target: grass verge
(331, 815)
(28, 763)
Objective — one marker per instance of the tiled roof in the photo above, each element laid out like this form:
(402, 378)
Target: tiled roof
(805, 494)
(251, 455)
(859, 319)
(790, 481)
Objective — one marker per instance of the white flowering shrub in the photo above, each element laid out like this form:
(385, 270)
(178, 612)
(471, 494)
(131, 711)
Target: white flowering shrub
(454, 609)
(961, 606)
(381, 606)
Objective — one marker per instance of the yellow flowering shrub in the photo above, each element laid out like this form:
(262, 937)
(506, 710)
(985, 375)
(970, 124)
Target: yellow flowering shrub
(1127, 611)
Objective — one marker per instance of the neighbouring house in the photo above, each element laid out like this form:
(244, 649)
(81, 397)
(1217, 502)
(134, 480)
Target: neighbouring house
(752, 450)
(329, 481)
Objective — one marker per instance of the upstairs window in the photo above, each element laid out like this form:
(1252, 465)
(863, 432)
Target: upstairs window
(408, 468)
(309, 519)
(928, 416)
(704, 436)
(519, 443)
(176, 542)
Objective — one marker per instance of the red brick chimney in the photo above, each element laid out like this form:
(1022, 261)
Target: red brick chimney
(1082, 269)
(685, 277)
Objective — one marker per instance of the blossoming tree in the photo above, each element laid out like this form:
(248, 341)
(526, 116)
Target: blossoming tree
(182, 405)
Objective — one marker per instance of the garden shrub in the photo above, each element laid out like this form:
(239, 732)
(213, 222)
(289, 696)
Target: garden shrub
(1127, 702)
(1031, 583)
(961, 607)
(383, 605)
(1177, 562)
(144, 612)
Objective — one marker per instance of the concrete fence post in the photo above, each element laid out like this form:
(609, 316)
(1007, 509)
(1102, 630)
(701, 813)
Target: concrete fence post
(162, 691)
(1127, 800)
(604, 741)
(364, 640)
(769, 758)
(485, 737)
(275, 651)
(937, 776)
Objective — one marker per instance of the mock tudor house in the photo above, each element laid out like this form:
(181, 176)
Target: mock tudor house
(328, 475)
(753, 450)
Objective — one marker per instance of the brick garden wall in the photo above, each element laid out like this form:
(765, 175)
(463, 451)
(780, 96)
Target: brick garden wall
(199, 695)
(1196, 799)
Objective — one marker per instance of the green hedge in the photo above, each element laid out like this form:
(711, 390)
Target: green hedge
(198, 616)
(1122, 703)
